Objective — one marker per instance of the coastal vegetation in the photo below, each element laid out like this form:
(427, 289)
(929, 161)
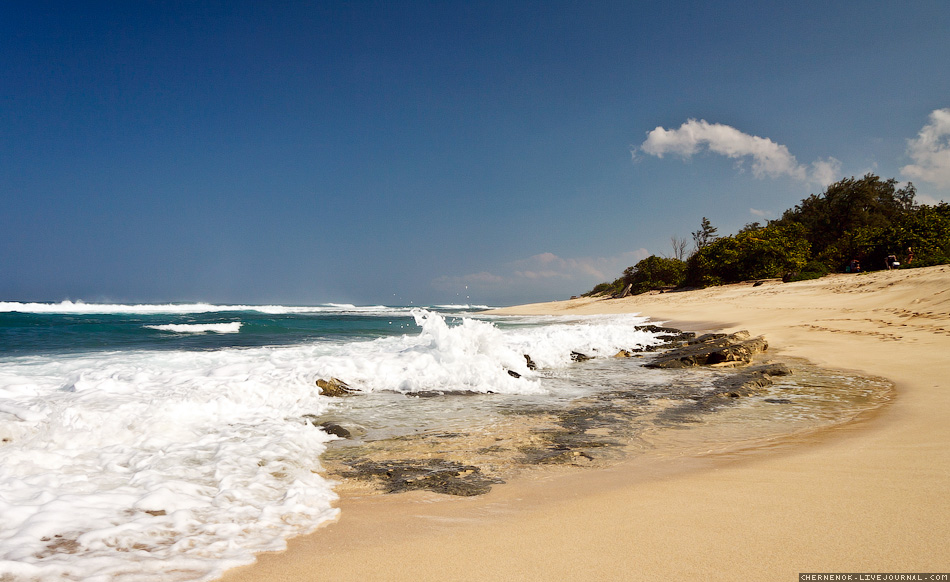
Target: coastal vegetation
(856, 223)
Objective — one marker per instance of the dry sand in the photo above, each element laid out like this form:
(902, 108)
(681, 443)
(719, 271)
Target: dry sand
(872, 496)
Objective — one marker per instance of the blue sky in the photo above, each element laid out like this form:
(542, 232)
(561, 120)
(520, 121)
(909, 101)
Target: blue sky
(435, 152)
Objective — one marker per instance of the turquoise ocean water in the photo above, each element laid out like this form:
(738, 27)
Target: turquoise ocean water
(168, 442)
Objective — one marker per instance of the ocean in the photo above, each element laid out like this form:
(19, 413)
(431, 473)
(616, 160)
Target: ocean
(171, 442)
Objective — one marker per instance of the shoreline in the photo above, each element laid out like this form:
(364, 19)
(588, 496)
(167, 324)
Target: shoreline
(870, 495)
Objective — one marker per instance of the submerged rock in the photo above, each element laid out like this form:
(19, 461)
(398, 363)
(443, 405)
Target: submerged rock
(438, 393)
(774, 369)
(726, 391)
(335, 429)
(579, 431)
(334, 387)
(717, 351)
(437, 475)
(747, 382)
(554, 455)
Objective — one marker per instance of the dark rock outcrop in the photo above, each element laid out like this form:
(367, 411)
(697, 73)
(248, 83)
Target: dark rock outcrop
(712, 350)
(670, 336)
(530, 362)
(667, 334)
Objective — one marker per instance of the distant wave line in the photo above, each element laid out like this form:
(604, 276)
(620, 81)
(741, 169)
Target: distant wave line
(233, 327)
(80, 307)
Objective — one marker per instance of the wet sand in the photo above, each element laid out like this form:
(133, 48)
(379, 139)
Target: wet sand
(871, 495)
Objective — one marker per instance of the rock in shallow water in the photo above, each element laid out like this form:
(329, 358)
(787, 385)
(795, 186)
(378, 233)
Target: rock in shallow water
(335, 429)
(530, 362)
(711, 350)
(437, 475)
(334, 387)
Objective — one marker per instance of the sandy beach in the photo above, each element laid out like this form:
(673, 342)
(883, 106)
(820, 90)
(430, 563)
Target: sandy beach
(869, 496)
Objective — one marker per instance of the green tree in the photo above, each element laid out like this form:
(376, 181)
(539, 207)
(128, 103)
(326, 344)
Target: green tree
(705, 235)
(926, 229)
(654, 272)
(753, 253)
(865, 219)
(851, 218)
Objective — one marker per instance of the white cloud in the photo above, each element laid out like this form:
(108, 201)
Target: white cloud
(825, 172)
(760, 213)
(768, 158)
(930, 151)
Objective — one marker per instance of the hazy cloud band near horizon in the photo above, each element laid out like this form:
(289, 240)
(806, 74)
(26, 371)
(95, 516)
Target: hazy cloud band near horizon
(560, 275)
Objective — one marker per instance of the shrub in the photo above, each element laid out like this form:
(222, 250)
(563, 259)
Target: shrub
(654, 272)
(754, 253)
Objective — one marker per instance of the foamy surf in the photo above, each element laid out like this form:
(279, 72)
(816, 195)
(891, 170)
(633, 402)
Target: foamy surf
(164, 466)
(155, 464)
(477, 356)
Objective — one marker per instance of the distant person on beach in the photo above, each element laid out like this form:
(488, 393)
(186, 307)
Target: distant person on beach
(910, 255)
(891, 262)
(854, 266)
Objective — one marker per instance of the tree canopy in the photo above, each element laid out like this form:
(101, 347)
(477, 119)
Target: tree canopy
(864, 219)
(654, 272)
(753, 253)
(853, 219)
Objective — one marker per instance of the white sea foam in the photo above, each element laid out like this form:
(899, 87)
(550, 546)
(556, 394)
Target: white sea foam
(232, 327)
(156, 465)
(476, 356)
